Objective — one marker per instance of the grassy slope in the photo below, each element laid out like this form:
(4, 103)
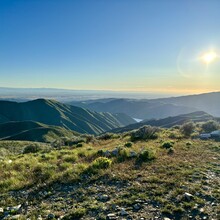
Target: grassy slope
(160, 184)
(32, 131)
(54, 113)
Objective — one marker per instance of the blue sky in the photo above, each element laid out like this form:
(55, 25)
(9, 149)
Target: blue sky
(122, 45)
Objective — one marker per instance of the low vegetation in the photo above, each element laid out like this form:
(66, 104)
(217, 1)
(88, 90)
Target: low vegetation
(145, 173)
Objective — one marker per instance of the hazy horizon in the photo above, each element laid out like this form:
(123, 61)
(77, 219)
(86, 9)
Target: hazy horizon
(66, 95)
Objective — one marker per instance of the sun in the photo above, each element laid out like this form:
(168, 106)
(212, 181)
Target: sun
(209, 57)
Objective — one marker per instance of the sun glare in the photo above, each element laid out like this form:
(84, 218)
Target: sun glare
(209, 57)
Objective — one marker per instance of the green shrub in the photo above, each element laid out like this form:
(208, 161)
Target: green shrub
(33, 148)
(123, 154)
(167, 145)
(187, 128)
(101, 163)
(108, 136)
(100, 152)
(147, 155)
(210, 126)
(170, 151)
(88, 137)
(76, 214)
(70, 158)
(79, 145)
(128, 144)
(144, 133)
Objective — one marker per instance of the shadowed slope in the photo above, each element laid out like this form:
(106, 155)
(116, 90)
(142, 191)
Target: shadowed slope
(54, 113)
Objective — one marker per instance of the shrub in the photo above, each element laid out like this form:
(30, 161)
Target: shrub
(33, 148)
(210, 126)
(187, 128)
(170, 151)
(79, 145)
(144, 133)
(147, 155)
(70, 158)
(123, 154)
(101, 163)
(100, 152)
(167, 145)
(89, 138)
(128, 144)
(108, 136)
(76, 214)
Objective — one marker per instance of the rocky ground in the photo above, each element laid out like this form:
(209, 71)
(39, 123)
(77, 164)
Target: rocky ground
(183, 184)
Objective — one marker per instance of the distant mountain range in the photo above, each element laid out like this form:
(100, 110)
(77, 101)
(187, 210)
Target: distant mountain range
(168, 122)
(52, 113)
(142, 109)
(157, 108)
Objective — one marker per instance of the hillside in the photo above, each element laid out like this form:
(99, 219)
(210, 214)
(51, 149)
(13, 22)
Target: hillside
(168, 122)
(51, 112)
(115, 178)
(143, 109)
(208, 102)
(33, 131)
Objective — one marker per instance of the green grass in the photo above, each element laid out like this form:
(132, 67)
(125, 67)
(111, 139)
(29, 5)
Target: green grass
(155, 175)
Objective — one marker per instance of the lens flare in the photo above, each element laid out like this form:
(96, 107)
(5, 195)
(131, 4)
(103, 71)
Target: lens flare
(209, 57)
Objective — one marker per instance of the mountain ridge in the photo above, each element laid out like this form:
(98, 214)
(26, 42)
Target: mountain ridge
(51, 112)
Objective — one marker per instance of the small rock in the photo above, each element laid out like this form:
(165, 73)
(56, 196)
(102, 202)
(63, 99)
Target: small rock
(15, 217)
(115, 152)
(188, 196)
(123, 212)
(201, 210)
(137, 207)
(103, 198)
(167, 218)
(39, 217)
(133, 154)
(50, 216)
(1, 210)
(111, 216)
(107, 153)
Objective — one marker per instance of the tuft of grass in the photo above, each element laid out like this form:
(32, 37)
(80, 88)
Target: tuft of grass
(101, 163)
(167, 144)
(147, 155)
(128, 144)
(75, 214)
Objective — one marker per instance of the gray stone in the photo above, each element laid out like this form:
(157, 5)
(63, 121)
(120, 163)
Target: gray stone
(115, 152)
(111, 216)
(103, 198)
(107, 153)
(15, 217)
(50, 216)
(188, 196)
(39, 217)
(123, 212)
(137, 207)
(133, 154)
